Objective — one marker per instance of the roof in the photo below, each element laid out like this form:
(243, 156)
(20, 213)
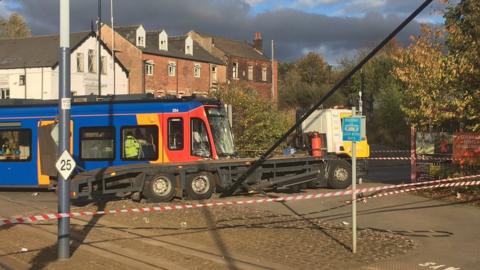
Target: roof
(128, 32)
(176, 49)
(37, 51)
(110, 99)
(237, 48)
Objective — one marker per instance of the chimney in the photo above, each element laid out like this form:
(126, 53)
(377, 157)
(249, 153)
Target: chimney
(258, 42)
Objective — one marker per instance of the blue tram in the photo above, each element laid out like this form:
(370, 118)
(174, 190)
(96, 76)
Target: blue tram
(109, 131)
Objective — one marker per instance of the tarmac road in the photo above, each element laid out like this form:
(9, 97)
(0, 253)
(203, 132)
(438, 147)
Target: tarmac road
(446, 234)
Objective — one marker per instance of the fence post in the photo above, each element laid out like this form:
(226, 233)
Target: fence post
(413, 153)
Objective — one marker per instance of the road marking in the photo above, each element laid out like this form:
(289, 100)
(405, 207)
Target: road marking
(435, 266)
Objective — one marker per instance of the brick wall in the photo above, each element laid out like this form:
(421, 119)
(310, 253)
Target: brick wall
(184, 83)
(129, 55)
(263, 87)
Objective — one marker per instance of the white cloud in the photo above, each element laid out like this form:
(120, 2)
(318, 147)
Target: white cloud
(313, 3)
(254, 2)
(4, 12)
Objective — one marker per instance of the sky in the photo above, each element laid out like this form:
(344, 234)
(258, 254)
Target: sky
(334, 28)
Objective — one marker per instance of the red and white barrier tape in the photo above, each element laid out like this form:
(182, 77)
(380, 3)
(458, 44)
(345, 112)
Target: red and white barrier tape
(395, 192)
(390, 151)
(46, 217)
(409, 158)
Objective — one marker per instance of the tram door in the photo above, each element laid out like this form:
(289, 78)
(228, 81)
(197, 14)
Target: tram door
(48, 150)
(16, 155)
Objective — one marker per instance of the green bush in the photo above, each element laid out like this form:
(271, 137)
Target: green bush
(257, 123)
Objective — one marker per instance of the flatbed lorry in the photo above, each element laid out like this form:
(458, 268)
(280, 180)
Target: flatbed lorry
(157, 148)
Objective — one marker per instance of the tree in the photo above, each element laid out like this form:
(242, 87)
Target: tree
(462, 22)
(257, 124)
(441, 72)
(14, 27)
(381, 96)
(305, 81)
(425, 72)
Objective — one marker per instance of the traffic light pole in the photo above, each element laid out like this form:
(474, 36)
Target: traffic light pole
(64, 105)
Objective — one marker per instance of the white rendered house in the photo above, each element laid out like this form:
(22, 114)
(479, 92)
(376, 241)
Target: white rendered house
(29, 67)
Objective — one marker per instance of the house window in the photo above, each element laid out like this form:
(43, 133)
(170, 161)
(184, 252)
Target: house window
(140, 143)
(97, 143)
(103, 65)
(15, 145)
(149, 68)
(235, 70)
(92, 63)
(175, 133)
(264, 74)
(196, 70)
(214, 73)
(80, 62)
(199, 138)
(5, 92)
(21, 80)
(250, 73)
(172, 69)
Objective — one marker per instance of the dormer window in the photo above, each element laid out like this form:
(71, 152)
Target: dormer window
(163, 41)
(140, 34)
(189, 46)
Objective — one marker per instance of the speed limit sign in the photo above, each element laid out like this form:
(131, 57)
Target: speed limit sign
(65, 165)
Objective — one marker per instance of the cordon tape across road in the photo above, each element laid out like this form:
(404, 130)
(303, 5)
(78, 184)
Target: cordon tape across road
(53, 216)
(401, 191)
(390, 151)
(409, 158)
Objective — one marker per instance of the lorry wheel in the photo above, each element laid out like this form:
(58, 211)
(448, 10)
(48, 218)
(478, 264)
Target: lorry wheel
(160, 188)
(339, 175)
(200, 186)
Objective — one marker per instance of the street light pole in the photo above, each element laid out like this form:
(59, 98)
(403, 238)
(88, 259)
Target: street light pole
(64, 129)
(113, 48)
(99, 41)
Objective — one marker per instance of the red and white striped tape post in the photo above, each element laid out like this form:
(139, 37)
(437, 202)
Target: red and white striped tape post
(53, 216)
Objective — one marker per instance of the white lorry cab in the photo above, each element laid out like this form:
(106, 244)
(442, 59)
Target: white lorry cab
(329, 123)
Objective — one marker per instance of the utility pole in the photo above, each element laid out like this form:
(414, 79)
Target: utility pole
(273, 68)
(360, 93)
(64, 130)
(113, 47)
(99, 43)
(354, 190)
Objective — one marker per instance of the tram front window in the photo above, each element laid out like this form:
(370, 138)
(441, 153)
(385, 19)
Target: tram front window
(222, 134)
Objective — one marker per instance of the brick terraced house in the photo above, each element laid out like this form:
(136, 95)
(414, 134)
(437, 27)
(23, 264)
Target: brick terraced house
(246, 63)
(165, 65)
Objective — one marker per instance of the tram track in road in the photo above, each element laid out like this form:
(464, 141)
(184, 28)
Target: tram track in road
(118, 234)
(131, 259)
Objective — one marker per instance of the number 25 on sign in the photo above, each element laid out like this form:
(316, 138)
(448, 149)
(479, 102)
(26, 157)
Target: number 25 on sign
(65, 165)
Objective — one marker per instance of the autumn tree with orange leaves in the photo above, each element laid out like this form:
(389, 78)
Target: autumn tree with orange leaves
(440, 72)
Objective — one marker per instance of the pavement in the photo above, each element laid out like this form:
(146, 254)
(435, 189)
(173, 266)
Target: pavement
(446, 234)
